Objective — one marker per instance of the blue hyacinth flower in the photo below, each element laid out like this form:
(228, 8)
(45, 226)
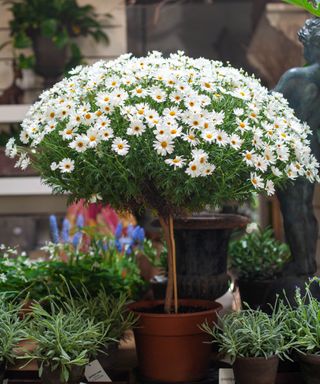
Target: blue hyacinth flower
(54, 229)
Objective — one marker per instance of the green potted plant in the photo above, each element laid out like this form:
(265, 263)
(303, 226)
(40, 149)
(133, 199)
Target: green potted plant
(50, 29)
(171, 134)
(65, 342)
(258, 260)
(253, 341)
(108, 311)
(11, 332)
(304, 325)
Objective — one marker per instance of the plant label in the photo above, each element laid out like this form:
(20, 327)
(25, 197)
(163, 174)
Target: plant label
(226, 376)
(95, 373)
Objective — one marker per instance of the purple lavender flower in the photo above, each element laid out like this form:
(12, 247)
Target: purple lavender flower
(65, 233)
(118, 232)
(54, 230)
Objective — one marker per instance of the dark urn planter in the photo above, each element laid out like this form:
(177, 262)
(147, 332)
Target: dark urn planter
(255, 293)
(310, 368)
(257, 370)
(3, 367)
(50, 60)
(201, 251)
(54, 377)
(171, 348)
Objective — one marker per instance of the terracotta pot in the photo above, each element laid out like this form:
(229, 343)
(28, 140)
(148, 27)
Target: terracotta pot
(257, 370)
(171, 347)
(54, 377)
(310, 368)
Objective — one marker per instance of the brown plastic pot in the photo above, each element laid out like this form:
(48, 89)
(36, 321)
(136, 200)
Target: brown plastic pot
(171, 347)
(257, 370)
(310, 368)
(54, 377)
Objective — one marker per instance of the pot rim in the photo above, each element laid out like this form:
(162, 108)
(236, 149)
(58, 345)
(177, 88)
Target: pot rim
(213, 306)
(259, 358)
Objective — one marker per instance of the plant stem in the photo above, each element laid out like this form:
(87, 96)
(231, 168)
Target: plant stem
(167, 225)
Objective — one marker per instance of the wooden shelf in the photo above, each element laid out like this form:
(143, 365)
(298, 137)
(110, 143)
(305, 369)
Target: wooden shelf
(13, 113)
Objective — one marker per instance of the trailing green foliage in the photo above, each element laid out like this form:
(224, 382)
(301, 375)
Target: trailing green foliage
(102, 269)
(59, 20)
(11, 329)
(303, 320)
(258, 255)
(104, 309)
(63, 339)
(251, 333)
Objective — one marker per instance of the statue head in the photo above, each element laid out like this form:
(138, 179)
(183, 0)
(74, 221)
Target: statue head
(309, 35)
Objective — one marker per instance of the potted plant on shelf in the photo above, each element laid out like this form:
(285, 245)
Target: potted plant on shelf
(106, 310)
(12, 332)
(174, 135)
(258, 259)
(65, 341)
(253, 341)
(303, 322)
(50, 29)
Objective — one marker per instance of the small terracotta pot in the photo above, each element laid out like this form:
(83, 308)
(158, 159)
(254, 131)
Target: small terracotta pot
(171, 347)
(54, 377)
(310, 368)
(257, 370)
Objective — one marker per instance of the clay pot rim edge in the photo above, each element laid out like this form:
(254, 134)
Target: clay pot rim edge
(215, 307)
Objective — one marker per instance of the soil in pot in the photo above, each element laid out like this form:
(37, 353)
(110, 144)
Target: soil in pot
(54, 377)
(171, 347)
(310, 368)
(257, 370)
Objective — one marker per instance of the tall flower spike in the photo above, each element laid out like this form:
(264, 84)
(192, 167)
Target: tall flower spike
(54, 230)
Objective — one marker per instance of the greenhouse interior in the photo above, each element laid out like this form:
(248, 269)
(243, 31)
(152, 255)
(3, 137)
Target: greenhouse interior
(159, 191)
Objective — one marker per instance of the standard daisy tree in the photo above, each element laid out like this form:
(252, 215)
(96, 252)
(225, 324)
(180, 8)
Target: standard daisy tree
(171, 134)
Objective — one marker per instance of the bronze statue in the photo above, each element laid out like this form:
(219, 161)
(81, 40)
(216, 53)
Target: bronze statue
(301, 87)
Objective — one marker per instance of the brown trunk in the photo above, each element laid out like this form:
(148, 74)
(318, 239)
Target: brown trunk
(172, 291)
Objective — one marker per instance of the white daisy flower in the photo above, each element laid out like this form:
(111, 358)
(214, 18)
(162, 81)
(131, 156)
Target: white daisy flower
(177, 162)
(120, 146)
(54, 166)
(270, 188)
(80, 143)
(136, 128)
(207, 169)
(66, 165)
(106, 133)
(235, 141)
(193, 169)
(221, 138)
(93, 136)
(256, 181)
(163, 145)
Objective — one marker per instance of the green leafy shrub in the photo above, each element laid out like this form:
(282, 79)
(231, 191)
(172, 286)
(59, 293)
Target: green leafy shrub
(251, 333)
(63, 339)
(61, 21)
(258, 255)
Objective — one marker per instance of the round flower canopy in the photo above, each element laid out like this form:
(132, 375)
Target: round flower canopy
(167, 133)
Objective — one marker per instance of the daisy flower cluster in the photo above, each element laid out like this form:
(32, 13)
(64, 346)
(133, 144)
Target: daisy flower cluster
(174, 123)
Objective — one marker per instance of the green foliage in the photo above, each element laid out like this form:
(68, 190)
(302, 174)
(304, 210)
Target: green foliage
(63, 339)
(258, 255)
(303, 320)
(312, 6)
(59, 20)
(36, 279)
(11, 329)
(251, 333)
(110, 312)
